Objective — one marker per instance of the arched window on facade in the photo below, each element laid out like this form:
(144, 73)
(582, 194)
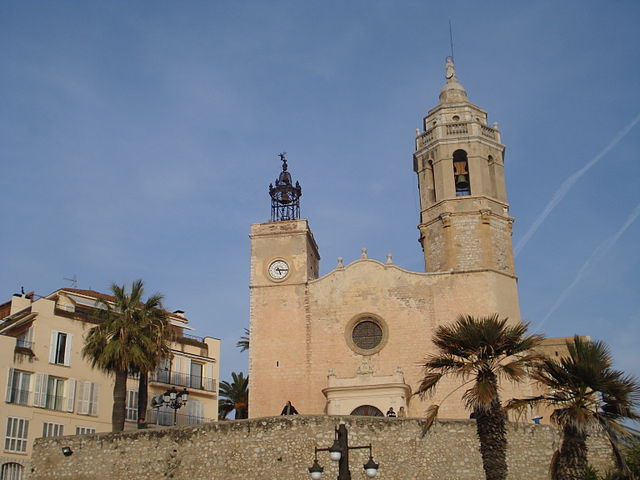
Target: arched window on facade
(367, 411)
(461, 173)
(11, 471)
(492, 176)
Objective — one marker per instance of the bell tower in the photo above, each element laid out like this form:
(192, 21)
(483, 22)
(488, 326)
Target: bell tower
(464, 214)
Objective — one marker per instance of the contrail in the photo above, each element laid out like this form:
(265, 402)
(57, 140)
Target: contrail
(597, 254)
(569, 182)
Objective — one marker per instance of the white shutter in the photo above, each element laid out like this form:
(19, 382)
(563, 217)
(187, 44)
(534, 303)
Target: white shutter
(71, 393)
(67, 350)
(82, 406)
(195, 411)
(188, 380)
(9, 386)
(52, 347)
(94, 399)
(40, 394)
(176, 370)
(208, 384)
(29, 336)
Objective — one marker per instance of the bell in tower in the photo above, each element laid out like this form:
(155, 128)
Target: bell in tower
(285, 197)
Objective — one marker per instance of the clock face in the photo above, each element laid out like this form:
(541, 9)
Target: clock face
(278, 269)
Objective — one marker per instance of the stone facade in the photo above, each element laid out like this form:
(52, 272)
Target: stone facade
(282, 448)
(302, 327)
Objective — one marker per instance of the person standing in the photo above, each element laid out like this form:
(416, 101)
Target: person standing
(402, 413)
(391, 413)
(289, 409)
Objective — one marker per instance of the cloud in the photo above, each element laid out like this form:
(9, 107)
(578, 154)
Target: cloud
(569, 183)
(597, 254)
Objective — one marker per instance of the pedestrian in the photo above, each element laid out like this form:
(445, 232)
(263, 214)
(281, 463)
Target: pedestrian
(402, 413)
(391, 413)
(289, 409)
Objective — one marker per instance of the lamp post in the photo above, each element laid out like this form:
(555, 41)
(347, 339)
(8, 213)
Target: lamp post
(174, 399)
(339, 452)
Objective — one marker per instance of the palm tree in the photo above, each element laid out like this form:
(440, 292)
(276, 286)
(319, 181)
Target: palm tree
(155, 327)
(120, 342)
(234, 396)
(480, 351)
(584, 392)
(243, 343)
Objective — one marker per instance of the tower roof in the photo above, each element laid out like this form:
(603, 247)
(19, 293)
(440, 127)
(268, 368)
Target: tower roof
(453, 91)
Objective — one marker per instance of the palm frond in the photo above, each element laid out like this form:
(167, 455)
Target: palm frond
(430, 418)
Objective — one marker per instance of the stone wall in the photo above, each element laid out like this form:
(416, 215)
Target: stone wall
(282, 448)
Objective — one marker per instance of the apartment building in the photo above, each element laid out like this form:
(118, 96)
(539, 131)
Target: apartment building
(51, 390)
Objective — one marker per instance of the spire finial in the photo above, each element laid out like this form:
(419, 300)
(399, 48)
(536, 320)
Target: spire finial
(450, 71)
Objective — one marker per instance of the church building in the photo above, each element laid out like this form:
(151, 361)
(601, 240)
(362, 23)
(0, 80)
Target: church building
(351, 341)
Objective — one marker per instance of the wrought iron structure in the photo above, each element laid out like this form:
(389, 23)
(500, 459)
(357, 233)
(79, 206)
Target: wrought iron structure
(285, 197)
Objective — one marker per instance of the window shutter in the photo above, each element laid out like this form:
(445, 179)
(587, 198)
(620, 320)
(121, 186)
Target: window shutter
(29, 336)
(40, 394)
(176, 370)
(67, 350)
(94, 399)
(80, 408)
(52, 347)
(195, 411)
(71, 392)
(9, 386)
(208, 384)
(189, 381)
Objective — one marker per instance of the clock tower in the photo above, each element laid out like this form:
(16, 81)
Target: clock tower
(284, 258)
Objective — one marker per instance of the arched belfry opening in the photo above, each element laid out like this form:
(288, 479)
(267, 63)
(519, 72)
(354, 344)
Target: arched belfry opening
(461, 173)
(285, 197)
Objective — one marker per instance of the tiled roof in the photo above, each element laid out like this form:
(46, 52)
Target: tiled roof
(107, 298)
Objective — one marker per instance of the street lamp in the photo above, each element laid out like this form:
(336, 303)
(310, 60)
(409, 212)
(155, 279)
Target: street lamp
(174, 399)
(339, 452)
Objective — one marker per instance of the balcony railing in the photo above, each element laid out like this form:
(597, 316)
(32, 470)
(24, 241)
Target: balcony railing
(24, 343)
(184, 380)
(19, 397)
(165, 418)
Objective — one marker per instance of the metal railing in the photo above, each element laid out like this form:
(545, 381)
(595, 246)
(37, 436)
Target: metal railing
(24, 343)
(165, 418)
(184, 380)
(19, 397)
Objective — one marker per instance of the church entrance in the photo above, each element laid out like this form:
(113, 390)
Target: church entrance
(367, 411)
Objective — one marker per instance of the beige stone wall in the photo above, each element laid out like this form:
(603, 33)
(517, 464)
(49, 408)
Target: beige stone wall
(298, 331)
(282, 448)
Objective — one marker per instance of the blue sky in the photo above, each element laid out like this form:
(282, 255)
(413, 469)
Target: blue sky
(139, 138)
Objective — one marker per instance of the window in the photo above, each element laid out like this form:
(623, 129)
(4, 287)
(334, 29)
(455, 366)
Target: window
(461, 173)
(11, 471)
(132, 405)
(50, 429)
(18, 386)
(87, 398)
(60, 348)
(26, 339)
(54, 394)
(367, 334)
(85, 430)
(17, 433)
(195, 379)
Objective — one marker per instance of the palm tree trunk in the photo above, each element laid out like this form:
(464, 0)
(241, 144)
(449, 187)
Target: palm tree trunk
(571, 462)
(119, 401)
(143, 399)
(490, 426)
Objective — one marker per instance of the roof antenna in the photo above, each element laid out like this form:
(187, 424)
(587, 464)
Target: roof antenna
(73, 280)
(451, 39)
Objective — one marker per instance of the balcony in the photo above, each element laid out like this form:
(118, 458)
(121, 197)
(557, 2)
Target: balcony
(19, 397)
(165, 418)
(184, 380)
(24, 346)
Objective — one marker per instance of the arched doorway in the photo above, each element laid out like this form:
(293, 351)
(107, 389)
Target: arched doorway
(11, 471)
(367, 411)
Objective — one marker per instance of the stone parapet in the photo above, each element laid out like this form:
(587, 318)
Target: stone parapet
(282, 448)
